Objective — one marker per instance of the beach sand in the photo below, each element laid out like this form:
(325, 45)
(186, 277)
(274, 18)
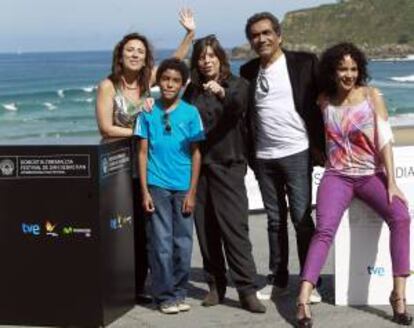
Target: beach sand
(404, 135)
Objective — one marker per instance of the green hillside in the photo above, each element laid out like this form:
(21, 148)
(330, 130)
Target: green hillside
(383, 28)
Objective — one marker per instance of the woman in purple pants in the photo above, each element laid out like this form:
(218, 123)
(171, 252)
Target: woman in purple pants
(359, 164)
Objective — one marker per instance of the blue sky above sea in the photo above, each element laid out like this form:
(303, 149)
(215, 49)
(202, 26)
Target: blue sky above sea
(78, 25)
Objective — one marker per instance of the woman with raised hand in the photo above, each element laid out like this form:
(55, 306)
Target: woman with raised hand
(359, 164)
(221, 214)
(120, 98)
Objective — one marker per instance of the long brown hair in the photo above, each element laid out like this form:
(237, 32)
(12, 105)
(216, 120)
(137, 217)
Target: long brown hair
(200, 47)
(144, 76)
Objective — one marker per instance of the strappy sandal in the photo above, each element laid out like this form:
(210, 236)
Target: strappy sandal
(401, 318)
(305, 322)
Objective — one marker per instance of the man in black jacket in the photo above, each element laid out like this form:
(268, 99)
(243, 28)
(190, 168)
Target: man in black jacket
(285, 130)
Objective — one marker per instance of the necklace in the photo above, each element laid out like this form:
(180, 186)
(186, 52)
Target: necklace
(128, 86)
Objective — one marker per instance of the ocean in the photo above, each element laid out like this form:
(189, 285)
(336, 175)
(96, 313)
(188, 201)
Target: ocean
(52, 95)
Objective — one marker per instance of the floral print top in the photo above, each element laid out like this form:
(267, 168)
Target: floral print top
(351, 138)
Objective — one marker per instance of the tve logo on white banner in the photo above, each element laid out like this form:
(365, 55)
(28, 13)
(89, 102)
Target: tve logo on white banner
(363, 272)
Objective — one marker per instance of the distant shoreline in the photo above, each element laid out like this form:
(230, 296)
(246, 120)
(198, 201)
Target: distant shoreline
(381, 53)
(409, 57)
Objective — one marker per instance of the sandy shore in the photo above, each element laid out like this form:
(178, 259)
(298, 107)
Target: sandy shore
(404, 135)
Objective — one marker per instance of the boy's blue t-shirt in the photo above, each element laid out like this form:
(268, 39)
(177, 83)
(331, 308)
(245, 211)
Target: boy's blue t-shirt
(169, 153)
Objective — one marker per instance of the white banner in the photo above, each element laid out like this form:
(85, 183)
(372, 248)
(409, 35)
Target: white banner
(253, 191)
(363, 272)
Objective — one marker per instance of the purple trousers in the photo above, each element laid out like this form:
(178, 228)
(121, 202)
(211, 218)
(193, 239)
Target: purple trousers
(335, 194)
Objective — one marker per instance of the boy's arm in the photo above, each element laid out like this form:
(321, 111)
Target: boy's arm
(190, 198)
(147, 202)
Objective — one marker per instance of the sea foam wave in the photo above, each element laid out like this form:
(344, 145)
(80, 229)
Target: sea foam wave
(89, 89)
(10, 107)
(402, 120)
(390, 83)
(408, 78)
(84, 100)
(395, 59)
(61, 93)
(155, 89)
(50, 106)
(395, 111)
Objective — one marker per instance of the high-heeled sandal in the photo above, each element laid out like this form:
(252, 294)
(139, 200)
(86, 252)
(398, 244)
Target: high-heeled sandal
(305, 322)
(401, 318)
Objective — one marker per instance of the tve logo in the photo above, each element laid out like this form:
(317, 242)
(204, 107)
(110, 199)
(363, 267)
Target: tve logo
(31, 229)
(376, 271)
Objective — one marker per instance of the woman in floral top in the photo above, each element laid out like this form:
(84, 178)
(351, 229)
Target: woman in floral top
(359, 164)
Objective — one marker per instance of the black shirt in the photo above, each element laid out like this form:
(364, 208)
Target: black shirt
(223, 119)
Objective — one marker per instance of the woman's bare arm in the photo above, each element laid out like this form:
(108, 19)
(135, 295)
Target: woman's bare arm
(105, 111)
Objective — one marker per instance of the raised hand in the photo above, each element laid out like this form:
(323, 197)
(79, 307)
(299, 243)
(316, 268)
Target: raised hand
(187, 19)
(215, 88)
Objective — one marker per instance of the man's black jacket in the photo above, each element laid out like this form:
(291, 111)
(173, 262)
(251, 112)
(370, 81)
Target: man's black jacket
(302, 69)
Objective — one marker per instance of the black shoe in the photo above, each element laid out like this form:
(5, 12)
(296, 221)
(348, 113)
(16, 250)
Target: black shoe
(251, 303)
(214, 296)
(400, 318)
(304, 321)
(143, 299)
(280, 279)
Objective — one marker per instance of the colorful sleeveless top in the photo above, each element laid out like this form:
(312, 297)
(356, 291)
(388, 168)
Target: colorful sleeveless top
(125, 111)
(125, 114)
(351, 138)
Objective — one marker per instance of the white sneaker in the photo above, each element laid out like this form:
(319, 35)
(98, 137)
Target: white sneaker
(183, 306)
(315, 297)
(265, 293)
(270, 291)
(169, 308)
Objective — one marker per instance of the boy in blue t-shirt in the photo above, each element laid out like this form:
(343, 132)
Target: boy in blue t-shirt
(169, 166)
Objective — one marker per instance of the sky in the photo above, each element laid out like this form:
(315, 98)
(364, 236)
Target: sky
(80, 25)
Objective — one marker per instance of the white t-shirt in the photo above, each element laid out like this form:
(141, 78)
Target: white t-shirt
(280, 129)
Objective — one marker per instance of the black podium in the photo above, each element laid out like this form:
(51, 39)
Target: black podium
(66, 233)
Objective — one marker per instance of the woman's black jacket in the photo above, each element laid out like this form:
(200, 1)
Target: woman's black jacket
(223, 120)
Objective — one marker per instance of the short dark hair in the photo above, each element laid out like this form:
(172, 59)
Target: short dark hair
(176, 65)
(261, 16)
(199, 48)
(330, 60)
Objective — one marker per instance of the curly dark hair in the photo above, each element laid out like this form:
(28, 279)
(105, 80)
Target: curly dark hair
(262, 16)
(330, 60)
(144, 77)
(176, 65)
(199, 49)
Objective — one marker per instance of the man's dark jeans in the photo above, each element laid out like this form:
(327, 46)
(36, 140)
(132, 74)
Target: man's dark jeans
(289, 176)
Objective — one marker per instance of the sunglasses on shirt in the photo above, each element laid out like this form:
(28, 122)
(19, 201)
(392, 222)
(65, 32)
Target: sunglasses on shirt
(263, 83)
(166, 122)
